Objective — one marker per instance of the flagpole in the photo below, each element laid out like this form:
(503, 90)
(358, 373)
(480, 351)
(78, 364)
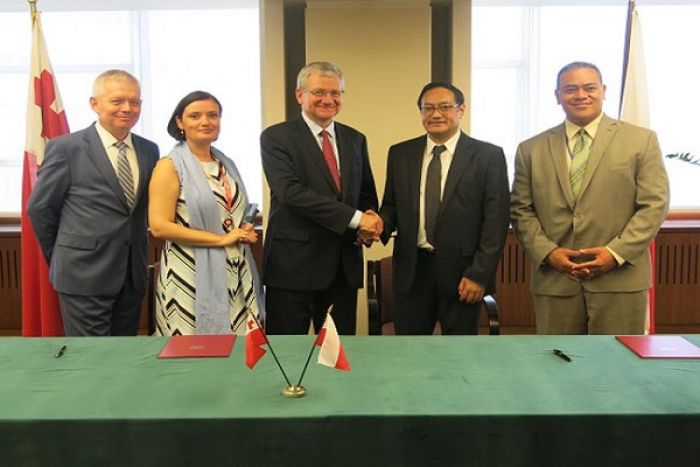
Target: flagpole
(272, 351)
(32, 9)
(626, 53)
(308, 359)
(634, 109)
(311, 352)
(46, 119)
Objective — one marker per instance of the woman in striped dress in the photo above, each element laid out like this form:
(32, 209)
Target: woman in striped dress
(208, 282)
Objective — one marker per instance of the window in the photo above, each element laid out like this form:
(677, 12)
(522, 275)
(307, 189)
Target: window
(172, 52)
(518, 48)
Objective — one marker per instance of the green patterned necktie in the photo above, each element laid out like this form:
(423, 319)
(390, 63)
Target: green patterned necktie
(579, 159)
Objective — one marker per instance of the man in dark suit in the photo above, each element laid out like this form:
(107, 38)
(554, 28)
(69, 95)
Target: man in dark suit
(447, 197)
(88, 210)
(322, 195)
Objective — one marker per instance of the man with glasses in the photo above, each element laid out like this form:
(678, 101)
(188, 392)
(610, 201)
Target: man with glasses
(588, 197)
(447, 198)
(323, 206)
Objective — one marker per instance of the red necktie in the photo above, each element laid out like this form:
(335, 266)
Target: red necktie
(329, 156)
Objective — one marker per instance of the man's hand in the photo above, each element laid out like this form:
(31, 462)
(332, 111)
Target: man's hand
(470, 291)
(560, 259)
(600, 262)
(370, 228)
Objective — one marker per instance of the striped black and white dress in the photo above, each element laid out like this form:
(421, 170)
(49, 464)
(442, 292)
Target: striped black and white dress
(175, 312)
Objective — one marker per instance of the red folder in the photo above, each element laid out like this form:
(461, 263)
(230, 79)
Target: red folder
(198, 346)
(660, 346)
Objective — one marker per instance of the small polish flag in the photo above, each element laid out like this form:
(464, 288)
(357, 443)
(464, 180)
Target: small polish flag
(332, 353)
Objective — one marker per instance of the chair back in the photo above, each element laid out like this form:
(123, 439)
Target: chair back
(380, 301)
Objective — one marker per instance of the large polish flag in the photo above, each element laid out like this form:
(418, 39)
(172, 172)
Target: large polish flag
(332, 353)
(634, 108)
(254, 340)
(45, 120)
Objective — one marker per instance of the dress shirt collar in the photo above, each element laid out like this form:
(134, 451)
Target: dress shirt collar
(108, 138)
(316, 128)
(591, 128)
(450, 144)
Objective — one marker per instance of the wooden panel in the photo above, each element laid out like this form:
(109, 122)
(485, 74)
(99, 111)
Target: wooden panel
(10, 280)
(512, 290)
(677, 280)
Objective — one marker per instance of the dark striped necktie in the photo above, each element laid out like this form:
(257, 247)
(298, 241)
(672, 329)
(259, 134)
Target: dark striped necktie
(124, 173)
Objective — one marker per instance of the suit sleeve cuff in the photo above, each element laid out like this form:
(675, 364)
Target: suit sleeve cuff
(355, 221)
(620, 260)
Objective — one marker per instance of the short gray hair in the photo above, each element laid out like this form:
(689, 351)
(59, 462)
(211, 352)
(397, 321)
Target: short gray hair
(97, 87)
(323, 69)
(575, 66)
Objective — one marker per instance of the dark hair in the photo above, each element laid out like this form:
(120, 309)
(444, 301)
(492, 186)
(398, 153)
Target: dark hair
(194, 96)
(459, 97)
(575, 66)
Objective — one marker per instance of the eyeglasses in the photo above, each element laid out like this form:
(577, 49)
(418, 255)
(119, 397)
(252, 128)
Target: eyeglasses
(324, 92)
(443, 108)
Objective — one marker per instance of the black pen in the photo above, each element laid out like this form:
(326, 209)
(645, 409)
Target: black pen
(60, 351)
(561, 355)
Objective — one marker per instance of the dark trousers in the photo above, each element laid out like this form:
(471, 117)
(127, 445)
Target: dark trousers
(101, 316)
(85, 315)
(292, 311)
(416, 312)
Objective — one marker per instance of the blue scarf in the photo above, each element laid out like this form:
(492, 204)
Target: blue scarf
(213, 313)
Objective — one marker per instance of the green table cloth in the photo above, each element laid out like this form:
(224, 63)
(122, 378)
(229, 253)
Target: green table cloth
(433, 400)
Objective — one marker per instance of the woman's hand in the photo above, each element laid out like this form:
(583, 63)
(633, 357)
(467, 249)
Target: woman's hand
(244, 234)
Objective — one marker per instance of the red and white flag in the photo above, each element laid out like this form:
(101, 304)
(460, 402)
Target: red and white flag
(254, 340)
(332, 353)
(634, 109)
(45, 120)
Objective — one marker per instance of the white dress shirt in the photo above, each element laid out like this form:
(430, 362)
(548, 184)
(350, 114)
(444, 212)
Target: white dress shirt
(108, 141)
(445, 162)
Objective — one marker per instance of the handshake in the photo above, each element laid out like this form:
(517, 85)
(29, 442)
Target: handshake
(370, 228)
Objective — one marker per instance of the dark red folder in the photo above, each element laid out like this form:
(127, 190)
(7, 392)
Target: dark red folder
(198, 346)
(661, 346)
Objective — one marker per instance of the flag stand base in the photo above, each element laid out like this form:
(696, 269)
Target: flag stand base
(294, 391)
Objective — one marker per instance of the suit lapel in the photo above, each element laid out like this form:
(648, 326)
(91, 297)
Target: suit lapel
(463, 153)
(141, 158)
(99, 157)
(556, 140)
(310, 146)
(606, 131)
(345, 156)
(414, 164)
